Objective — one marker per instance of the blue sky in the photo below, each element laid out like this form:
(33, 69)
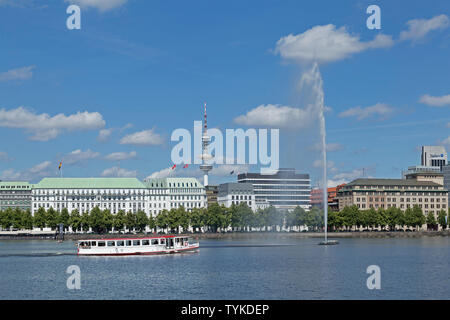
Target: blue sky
(137, 70)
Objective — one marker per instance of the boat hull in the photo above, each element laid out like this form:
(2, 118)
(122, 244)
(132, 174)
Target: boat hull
(191, 248)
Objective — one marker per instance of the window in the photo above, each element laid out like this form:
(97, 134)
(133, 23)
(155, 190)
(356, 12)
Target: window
(120, 243)
(145, 242)
(101, 243)
(110, 243)
(136, 242)
(155, 241)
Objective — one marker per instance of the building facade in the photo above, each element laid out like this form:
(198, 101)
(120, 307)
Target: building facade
(446, 174)
(234, 193)
(285, 189)
(173, 193)
(399, 193)
(434, 156)
(332, 199)
(15, 194)
(212, 193)
(84, 194)
(115, 194)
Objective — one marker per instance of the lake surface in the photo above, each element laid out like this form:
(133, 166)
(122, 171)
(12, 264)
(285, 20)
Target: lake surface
(413, 268)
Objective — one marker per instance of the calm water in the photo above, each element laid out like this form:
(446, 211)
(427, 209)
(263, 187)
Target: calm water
(253, 269)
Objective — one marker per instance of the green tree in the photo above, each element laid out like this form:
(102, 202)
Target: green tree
(441, 219)
(213, 213)
(17, 218)
(162, 219)
(130, 221)
(64, 218)
(52, 218)
(431, 221)
(75, 220)
(96, 220)
(151, 223)
(27, 220)
(119, 220)
(108, 220)
(85, 221)
(40, 218)
(418, 217)
(141, 220)
(409, 218)
(196, 218)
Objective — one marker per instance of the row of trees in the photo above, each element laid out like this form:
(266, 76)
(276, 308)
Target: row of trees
(352, 217)
(215, 217)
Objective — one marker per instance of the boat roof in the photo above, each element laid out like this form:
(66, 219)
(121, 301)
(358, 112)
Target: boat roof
(134, 238)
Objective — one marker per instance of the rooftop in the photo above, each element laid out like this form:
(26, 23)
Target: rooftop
(391, 182)
(89, 183)
(15, 185)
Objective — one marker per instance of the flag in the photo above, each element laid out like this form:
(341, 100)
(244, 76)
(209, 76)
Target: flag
(60, 165)
(185, 166)
(174, 166)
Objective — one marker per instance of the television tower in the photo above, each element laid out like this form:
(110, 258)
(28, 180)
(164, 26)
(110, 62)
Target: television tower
(205, 167)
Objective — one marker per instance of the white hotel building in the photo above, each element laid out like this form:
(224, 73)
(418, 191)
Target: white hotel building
(115, 194)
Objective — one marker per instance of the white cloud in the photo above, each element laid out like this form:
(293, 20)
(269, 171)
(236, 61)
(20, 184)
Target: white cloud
(119, 156)
(163, 173)
(38, 171)
(78, 156)
(143, 138)
(43, 127)
(435, 101)
(346, 177)
(23, 73)
(119, 172)
(380, 109)
(419, 28)
(104, 134)
(276, 116)
(101, 5)
(324, 44)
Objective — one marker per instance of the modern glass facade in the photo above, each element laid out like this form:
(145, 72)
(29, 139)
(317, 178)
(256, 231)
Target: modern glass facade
(15, 194)
(284, 190)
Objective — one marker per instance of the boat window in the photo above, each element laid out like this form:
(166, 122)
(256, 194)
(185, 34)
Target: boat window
(136, 242)
(128, 242)
(93, 243)
(154, 241)
(145, 242)
(110, 243)
(120, 243)
(162, 241)
(101, 243)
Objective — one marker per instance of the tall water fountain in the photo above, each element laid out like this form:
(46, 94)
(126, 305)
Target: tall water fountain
(312, 80)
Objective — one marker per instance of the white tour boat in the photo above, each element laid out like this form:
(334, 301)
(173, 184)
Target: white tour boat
(136, 246)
